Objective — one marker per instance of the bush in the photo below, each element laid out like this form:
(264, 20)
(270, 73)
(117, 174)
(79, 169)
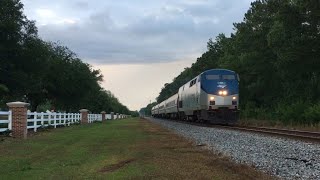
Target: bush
(44, 106)
(251, 111)
(292, 113)
(312, 114)
(248, 111)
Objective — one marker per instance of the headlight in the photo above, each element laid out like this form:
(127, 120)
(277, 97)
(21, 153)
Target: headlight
(224, 92)
(212, 98)
(234, 98)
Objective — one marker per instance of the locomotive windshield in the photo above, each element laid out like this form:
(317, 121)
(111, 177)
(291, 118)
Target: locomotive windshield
(228, 77)
(218, 77)
(212, 77)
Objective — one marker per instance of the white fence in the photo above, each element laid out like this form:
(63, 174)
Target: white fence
(36, 120)
(5, 121)
(94, 117)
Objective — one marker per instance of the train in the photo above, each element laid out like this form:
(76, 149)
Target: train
(212, 96)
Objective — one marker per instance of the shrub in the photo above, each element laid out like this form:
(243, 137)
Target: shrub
(248, 111)
(292, 113)
(312, 114)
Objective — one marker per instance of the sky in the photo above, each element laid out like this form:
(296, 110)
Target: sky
(139, 45)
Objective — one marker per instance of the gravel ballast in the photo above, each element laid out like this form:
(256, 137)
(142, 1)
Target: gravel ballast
(282, 157)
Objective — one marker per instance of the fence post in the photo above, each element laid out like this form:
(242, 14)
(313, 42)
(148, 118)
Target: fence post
(84, 116)
(35, 117)
(19, 119)
(112, 115)
(103, 116)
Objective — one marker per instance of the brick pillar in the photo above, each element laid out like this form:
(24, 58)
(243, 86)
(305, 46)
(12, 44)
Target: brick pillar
(112, 115)
(84, 116)
(19, 119)
(103, 113)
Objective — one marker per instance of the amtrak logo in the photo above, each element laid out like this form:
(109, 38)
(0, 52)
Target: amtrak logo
(221, 84)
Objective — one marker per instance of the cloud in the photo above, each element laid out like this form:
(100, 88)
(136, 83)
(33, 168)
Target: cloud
(81, 5)
(135, 32)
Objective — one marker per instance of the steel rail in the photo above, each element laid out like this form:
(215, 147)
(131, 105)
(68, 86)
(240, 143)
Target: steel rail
(293, 134)
(296, 134)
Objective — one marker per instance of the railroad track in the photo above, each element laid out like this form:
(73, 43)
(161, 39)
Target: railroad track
(293, 134)
(305, 135)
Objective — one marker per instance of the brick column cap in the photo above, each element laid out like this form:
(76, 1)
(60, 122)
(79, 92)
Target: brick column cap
(83, 110)
(103, 112)
(17, 104)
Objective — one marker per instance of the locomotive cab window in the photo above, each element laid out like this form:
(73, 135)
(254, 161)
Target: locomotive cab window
(228, 77)
(212, 77)
(193, 82)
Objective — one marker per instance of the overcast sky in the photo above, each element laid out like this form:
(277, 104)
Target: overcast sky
(138, 45)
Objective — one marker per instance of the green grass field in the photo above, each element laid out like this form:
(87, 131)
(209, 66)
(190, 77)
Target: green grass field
(72, 152)
(124, 149)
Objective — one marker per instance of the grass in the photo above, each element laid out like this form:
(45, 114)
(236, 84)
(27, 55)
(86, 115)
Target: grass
(124, 149)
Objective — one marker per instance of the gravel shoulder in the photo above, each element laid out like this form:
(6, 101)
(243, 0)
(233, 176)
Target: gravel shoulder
(284, 158)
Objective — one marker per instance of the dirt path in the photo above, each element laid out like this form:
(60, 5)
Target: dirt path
(177, 158)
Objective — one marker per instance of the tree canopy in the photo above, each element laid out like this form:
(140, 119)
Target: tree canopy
(46, 74)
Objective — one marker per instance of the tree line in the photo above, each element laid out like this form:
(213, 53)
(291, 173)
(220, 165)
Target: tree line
(46, 74)
(275, 50)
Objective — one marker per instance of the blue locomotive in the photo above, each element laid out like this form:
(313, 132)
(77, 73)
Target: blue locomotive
(211, 96)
